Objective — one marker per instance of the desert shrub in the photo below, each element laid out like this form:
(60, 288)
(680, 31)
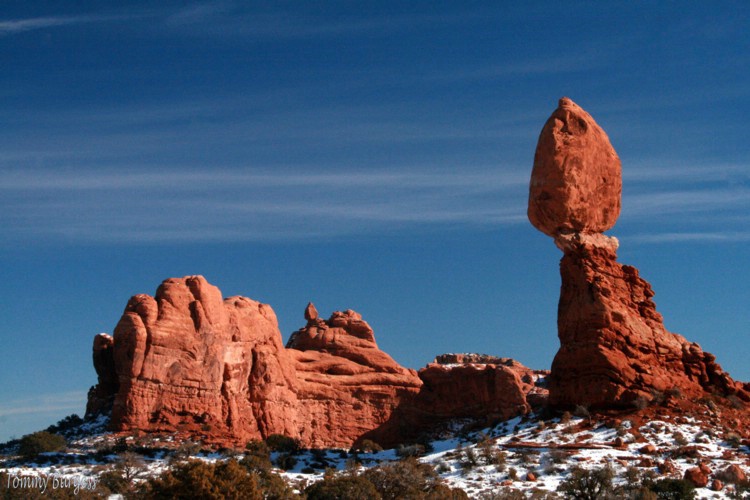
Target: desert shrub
(528, 456)
(444, 492)
(342, 488)
(274, 487)
(114, 481)
(566, 417)
(406, 478)
(426, 441)
(680, 438)
(282, 443)
(258, 448)
(256, 463)
(196, 479)
(674, 392)
(442, 467)
(582, 412)
(673, 489)
(410, 450)
(732, 438)
(740, 491)
(469, 458)
(632, 475)
(640, 403)
(513, 474)
(65, 424)
(558, 456)
(657, 397)
(585, 484)
(285, 461)
(489, 453)
(120, 445)
(120, 479)
(503, 494)
(735, 402)
(319, 459)
(32, 445)
(186, 450)
(368, 446)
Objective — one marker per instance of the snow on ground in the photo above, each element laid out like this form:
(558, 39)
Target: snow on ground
(525, 454)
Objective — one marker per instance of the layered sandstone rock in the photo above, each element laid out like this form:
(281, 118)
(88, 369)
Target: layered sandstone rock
(189, 360)
(102, 395)
(346, 387)
(613, 344)
(478, 386)
(614, 347)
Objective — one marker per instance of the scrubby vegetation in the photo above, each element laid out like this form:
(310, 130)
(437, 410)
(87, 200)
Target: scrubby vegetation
(32, 445)
(505, 461)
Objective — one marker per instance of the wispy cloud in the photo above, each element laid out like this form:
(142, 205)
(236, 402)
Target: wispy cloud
(227, 19)
(13, 26)
(691, 237)
(682, 173)
(522, 68)
(661, 203)
(221, 205)
(45, 403)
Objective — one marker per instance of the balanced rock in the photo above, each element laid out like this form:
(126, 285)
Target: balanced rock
(614, 348)
(576, 182)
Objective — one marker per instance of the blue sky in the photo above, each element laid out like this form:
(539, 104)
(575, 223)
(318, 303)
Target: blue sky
(364, 155)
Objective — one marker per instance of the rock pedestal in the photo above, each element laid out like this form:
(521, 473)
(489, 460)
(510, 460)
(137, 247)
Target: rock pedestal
(614, 348)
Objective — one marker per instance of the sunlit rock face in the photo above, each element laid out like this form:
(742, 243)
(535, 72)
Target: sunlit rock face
(576, 182)
(191, 361)
(614, 348)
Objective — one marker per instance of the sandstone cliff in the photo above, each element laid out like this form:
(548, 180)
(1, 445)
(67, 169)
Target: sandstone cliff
(188, 360)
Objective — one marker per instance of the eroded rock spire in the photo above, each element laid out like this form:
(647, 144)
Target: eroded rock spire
(614, 348)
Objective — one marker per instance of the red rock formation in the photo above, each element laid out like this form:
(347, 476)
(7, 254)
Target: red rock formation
(101, 396)
(506, 384)
(476, 387)
(698, 476)
(576, 180)
(346, 387)
(487, 391)
(614, 347)
(189, 360)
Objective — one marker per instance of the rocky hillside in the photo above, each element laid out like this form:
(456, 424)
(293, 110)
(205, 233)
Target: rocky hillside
(672, 446)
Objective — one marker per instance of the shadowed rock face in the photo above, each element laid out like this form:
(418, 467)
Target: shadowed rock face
(613, 344)
(189, 360)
